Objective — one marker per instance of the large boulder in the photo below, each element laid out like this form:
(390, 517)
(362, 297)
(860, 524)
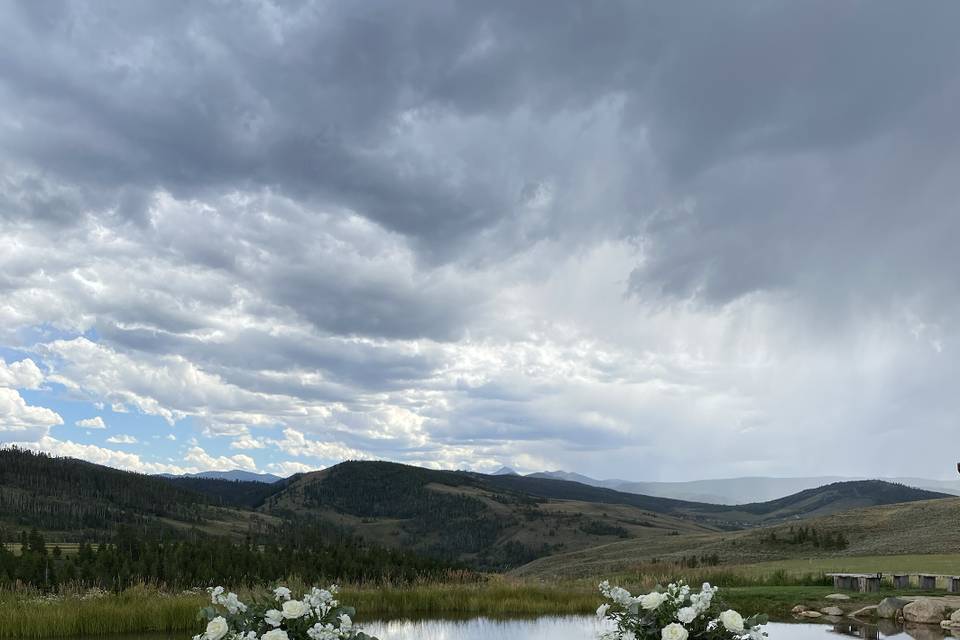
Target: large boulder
(811, 614)
(832, 611)
(926, 611)
(837, 596)
(889, 608)
(798, 609)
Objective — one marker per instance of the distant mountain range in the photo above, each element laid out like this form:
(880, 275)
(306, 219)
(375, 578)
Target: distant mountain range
(730, 491)
(488, 522)
(236, 474)
(724, 491)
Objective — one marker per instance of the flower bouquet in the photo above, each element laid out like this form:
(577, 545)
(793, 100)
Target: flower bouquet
(316, 615)
(676, 613)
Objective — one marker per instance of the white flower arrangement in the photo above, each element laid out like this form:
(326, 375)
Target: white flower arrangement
(674, 613)
(316, 615)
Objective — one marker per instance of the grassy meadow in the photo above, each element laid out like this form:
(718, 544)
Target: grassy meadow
(770, 587)
(28, 614)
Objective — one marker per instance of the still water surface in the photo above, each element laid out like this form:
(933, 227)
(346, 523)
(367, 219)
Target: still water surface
(586, 628)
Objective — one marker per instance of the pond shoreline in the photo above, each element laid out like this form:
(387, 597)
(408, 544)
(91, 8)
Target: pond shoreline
(144, 610)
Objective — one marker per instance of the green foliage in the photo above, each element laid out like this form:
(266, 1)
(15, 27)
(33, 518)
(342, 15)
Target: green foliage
(466, 524)
(130, 559)
(62, 494)
(138, 610)
(233, 493)
(598, 528)
(810, 536)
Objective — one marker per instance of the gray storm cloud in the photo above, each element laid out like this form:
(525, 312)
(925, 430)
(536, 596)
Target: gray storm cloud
(546, 234)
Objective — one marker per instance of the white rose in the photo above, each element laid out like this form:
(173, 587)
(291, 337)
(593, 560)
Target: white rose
(216, 629)
(273, 617)
(732, 620)
(281, 593)
(602, 611)
(275, 634)
(674, 631)
(233, 604)
(686, 615)
(293, 609)
(621, 596)
(652, 600)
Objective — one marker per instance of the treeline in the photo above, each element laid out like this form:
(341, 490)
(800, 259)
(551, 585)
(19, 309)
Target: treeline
(38, 490)
(831, 540)
(201, 560)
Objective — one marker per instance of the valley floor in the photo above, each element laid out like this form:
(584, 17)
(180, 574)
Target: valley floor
(772, 588)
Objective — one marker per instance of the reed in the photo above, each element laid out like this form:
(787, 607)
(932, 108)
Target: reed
(137, 610)
(75, 612)
(493, 599)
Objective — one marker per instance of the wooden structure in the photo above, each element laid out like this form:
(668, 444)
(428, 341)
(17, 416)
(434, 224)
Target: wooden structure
(862, 582)
(869, 582)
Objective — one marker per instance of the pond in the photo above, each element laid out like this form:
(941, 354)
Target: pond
(586, 628)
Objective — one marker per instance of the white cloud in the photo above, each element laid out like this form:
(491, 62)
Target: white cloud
(21, 421)
(171, 437)
(290, 467)
(294, 443)
(101, 455)
(24, 374)
(203, 460)
(95, 422)
(122, 439)
(246, 442)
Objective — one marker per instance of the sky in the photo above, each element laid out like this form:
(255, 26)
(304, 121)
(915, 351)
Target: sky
(650, 241)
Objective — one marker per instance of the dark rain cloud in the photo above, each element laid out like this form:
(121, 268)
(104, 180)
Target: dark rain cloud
(357, 190)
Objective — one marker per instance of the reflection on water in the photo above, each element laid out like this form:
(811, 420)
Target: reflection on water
(546, 628)
(586, 628)
(872, 631)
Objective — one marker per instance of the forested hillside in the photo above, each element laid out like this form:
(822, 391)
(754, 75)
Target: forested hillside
(489, 522)
(463, 516)
(79, 498)
(131, 557)
(233, 493)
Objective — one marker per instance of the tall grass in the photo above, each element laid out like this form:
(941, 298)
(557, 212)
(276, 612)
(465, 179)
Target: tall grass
(31, 615)
(72, 611)
(648, 576)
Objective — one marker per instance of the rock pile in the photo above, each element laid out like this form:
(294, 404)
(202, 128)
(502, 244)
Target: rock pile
(944, 611)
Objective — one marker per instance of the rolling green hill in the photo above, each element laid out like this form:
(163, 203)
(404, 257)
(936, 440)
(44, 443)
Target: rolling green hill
(498, 521)
(493, 522)
(469, 517)
(831, 498)
(918, 527)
